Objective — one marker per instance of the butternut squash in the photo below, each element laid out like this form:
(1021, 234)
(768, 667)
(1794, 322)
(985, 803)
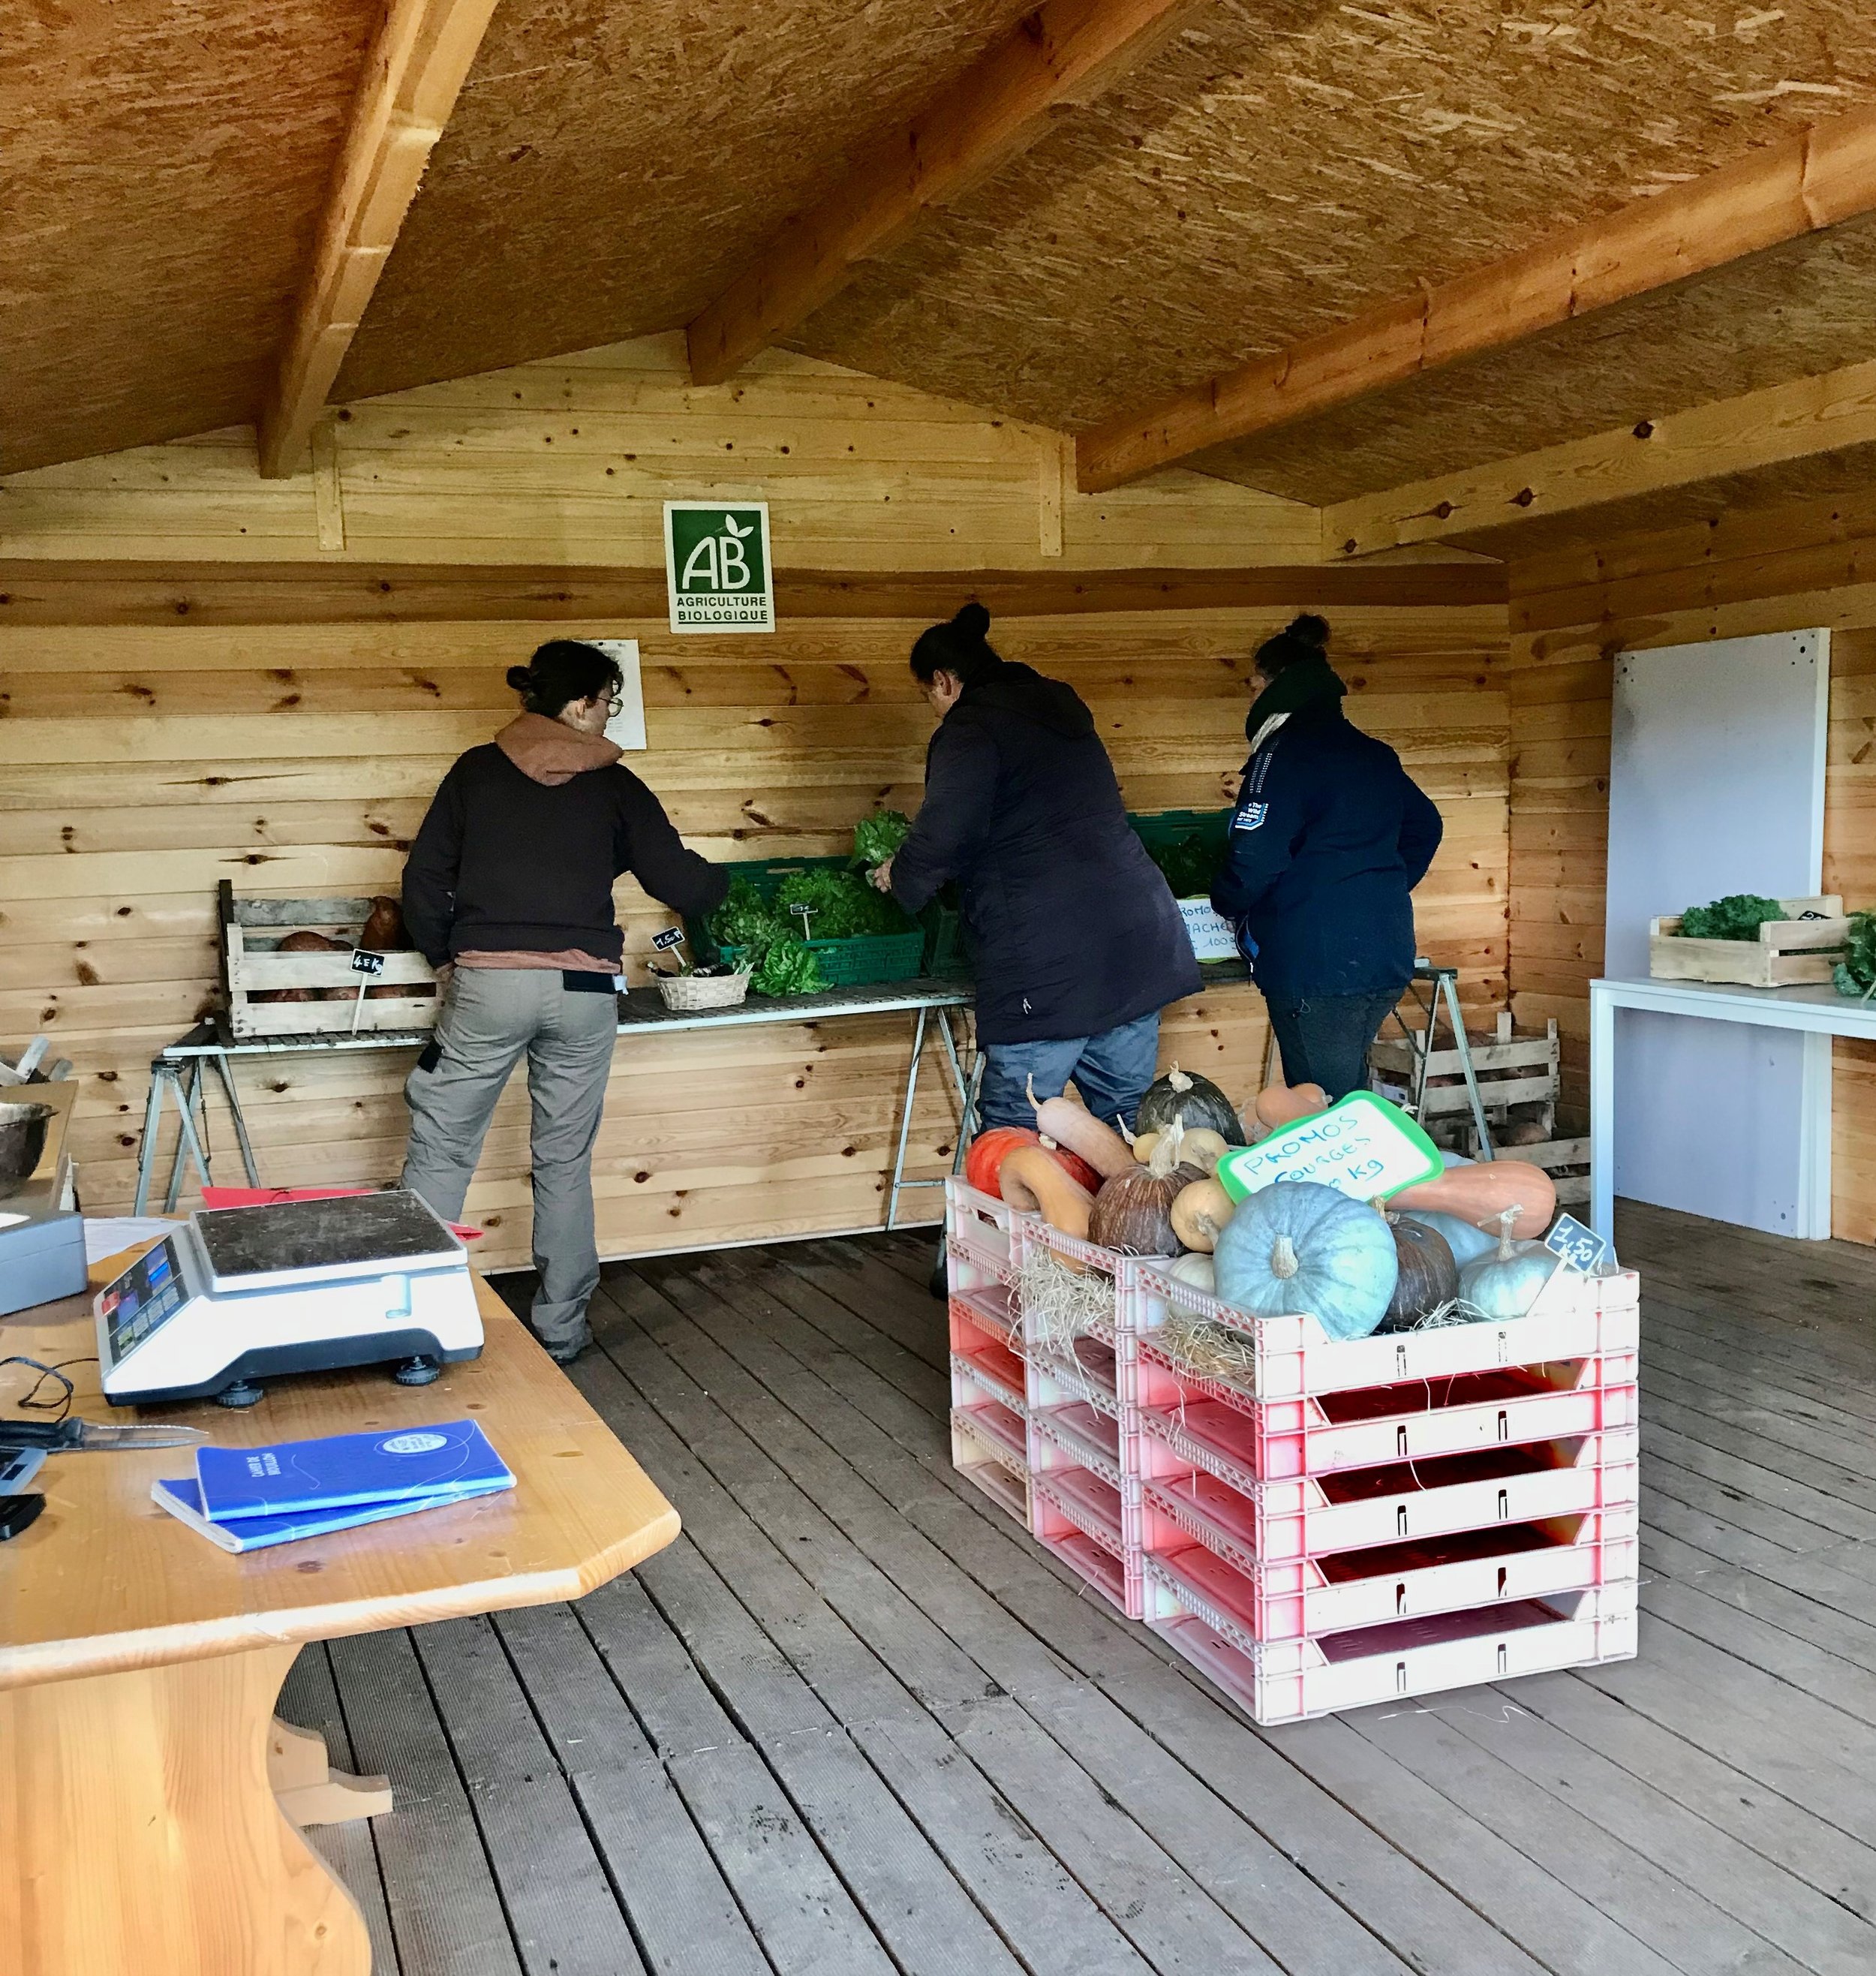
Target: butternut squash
(1076, 1127)
(1031, 1181)
(1284, 1104)
(1200, 1213)
(1479, 1194)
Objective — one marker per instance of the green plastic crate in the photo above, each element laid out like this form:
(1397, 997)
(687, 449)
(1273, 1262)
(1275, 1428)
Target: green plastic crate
(947, 952)
(854, 963)
(1161, 829)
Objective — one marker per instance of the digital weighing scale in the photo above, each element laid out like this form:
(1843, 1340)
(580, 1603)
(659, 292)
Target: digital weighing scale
(238, 1295)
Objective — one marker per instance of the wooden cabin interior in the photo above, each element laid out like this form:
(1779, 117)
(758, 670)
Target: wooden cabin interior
(349, 350)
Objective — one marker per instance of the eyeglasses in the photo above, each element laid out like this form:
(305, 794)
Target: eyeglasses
(616, 706)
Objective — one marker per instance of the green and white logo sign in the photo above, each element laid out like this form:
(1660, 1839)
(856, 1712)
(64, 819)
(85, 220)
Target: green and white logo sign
(716, 566)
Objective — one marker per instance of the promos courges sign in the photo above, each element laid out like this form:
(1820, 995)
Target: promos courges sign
(717, 566)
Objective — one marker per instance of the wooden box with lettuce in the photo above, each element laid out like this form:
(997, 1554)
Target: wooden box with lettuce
(1751, 941)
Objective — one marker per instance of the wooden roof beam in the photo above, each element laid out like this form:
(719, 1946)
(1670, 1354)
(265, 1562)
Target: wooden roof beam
(1821, 176)
(1760, 428)
(1066, 53)
(411, 78)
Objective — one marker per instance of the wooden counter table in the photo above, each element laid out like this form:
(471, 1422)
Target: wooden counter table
(141, 1833)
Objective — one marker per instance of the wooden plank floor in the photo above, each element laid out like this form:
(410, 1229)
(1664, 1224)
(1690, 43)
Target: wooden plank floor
(854, 1721)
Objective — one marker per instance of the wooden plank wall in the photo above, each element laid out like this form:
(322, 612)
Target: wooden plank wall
(1571, 613)
(142, 761)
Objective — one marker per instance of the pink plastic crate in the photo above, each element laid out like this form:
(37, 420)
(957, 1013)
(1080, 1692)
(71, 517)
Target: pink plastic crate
(1577, 1317)
(1204, 1538)
(991, 1308)
(1075, 1434)
(1307, 1516)
(1288, 1681)
(1070, 1509)
(977, 1234)
(984, 1457)
(1365, 1427)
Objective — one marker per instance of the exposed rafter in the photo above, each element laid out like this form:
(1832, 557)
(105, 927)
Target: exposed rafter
(1821, 176)
(1067, 52)
(1760, 428)
(411, 78)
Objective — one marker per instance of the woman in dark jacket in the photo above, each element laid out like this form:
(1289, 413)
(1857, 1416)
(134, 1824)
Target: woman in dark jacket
(1328, 839)
(1078, 943)
(508, 891)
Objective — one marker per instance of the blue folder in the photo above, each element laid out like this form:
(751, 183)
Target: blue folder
(399, 1464)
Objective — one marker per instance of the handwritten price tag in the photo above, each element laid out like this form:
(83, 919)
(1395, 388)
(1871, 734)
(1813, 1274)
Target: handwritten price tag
(1363, 1147)
(1581, 1248)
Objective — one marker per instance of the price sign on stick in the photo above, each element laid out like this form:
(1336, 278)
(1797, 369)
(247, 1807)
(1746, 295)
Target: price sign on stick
(671, 937)
(1581, 1248)
(1364, 1147)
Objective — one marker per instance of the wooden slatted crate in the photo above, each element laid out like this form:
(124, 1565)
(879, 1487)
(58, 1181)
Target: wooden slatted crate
(1788, 953)
(252, 967)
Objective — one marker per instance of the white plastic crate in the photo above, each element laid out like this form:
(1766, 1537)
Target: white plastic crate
(1288, 1680)
(1308, 1596)
(982, 1456)
(1309, 1516)
(977, 1234)
(1093, 1526)
(1367, 1427)
(1576, 1317)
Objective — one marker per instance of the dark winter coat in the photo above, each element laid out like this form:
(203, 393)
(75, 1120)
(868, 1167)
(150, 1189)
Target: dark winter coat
(1329, 838)
(524, 840)
(1073, 928)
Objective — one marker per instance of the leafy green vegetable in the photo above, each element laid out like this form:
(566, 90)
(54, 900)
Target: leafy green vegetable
(1738, 916)
(1190, 865)
(878, 837)
(1856, 974)
(745, 919)
(787, 967)
(840, 905)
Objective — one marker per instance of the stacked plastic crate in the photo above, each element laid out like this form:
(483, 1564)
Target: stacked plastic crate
(989, 1400)
(1333, 1523)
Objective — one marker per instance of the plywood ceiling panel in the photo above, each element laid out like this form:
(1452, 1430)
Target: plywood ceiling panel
(609, 168)
(1289, 164)
(163, 165)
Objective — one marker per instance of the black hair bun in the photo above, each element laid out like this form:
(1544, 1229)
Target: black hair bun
(974, 621)
(520, 677)
(1309, 630)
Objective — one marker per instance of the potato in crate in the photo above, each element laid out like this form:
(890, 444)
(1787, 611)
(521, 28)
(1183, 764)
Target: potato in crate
(320, 967)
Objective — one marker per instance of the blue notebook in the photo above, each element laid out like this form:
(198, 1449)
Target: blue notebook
(452, 1458)
(182, 1499)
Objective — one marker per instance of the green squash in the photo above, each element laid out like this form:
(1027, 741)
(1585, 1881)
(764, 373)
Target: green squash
(1298, 1246)
(1194, 1102)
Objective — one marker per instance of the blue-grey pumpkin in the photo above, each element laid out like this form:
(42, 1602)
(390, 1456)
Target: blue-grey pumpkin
(1468, 1244)
(1299, 1247)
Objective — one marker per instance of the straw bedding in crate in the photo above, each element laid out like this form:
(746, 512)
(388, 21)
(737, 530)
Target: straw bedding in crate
(1060, 1303)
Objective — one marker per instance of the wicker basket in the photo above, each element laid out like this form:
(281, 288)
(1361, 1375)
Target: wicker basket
(702, 991)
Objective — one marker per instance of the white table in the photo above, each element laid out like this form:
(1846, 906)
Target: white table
(1819, 1012)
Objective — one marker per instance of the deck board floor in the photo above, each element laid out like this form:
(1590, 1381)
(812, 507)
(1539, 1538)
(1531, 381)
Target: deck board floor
(854, 1721)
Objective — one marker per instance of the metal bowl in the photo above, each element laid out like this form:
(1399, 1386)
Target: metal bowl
(22, 1140)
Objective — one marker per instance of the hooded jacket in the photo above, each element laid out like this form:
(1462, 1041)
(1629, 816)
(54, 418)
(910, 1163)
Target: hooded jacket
(523, 842)
(1327, 841)
(1073, 928)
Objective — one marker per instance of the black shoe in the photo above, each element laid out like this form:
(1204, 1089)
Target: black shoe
(564, 1351)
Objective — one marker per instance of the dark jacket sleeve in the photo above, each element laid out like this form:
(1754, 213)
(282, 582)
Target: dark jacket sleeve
(649, 847)
(954, 820)
(1421, 829)
(429, 886)
(1266, 828)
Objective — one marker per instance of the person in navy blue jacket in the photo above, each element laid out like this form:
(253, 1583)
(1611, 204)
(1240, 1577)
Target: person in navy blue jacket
(1077, 941)
(1328, 839)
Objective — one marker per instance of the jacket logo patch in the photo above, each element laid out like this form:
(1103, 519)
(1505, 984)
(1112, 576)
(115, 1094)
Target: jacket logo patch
(1250, 816)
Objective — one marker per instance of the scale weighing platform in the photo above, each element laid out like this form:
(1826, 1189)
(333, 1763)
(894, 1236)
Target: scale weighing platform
(237, 1294)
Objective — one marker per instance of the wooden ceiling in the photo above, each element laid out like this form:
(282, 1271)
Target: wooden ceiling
(1264, 171)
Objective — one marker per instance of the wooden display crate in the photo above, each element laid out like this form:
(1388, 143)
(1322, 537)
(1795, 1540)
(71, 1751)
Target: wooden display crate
(252, 931)
(1788, 953)
(1511, 1070)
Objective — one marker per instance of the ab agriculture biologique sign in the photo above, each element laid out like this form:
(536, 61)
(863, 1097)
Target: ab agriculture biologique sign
(716, 566)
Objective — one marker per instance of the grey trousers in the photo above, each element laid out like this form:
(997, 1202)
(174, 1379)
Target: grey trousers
(490, 1016)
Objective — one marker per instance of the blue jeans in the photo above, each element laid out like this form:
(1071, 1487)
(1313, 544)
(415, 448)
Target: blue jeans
(1111, 1071)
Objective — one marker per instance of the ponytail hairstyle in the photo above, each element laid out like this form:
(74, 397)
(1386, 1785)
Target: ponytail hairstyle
(958, 645)
(562, 670)
(1304, 637)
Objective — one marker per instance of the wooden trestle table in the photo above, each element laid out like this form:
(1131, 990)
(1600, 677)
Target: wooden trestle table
(149, 1801)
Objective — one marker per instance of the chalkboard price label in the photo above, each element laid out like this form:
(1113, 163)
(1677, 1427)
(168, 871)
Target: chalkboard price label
(1580, 1249)
(671, 937)
(364, 962)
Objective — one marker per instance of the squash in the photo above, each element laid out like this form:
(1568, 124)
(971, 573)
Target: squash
(1199, 1214)
(1297, 1246)
(1133, 1211)
(1191, 1273)
(1467, 1244)
(1076, 1127)
(1032, 1181)
(1284, 1104)
(384, 929)
(1191, 1100)
(1203, 1148)
(988, 1151)
(1505, 1284)
(305, 941)
(1480, 1194)
(1428, 1278)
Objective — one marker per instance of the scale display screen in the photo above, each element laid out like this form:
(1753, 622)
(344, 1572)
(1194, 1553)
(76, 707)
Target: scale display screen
(142, 1300)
